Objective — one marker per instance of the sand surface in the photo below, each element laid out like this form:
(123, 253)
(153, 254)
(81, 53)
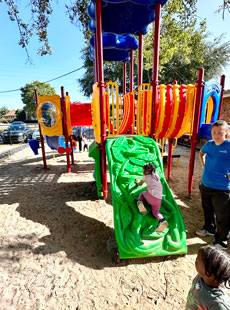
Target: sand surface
(54, 233)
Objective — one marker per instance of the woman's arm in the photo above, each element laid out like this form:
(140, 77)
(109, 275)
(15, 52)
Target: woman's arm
(202, 158)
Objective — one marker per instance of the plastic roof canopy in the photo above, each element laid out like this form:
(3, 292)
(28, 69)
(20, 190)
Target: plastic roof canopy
(123, 42)
(125, 16)
(115, 47)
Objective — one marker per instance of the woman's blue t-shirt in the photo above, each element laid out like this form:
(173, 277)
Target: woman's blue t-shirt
(217, 165)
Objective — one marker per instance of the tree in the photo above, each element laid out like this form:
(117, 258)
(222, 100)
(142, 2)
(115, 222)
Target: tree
(40, 13)
(3, 110)
(27, 94)
(225, 6)
(78, 16)
(21, 115)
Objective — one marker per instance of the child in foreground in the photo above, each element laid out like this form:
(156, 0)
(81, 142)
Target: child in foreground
(209, 287)
(153, 195)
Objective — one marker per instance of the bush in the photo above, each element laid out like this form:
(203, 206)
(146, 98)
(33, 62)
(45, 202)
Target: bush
(3, 120)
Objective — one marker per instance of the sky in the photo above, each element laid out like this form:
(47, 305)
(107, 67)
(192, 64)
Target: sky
(66, 42)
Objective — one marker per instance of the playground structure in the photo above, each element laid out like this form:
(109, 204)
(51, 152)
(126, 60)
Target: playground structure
(56, 116)
(162, 111)
(126, 126)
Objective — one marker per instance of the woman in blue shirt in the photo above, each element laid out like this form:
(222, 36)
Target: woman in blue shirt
(215, 187)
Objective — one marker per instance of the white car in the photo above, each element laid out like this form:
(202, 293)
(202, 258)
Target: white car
(36, 135)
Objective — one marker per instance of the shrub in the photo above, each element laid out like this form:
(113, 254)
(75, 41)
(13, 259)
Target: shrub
(3, 120)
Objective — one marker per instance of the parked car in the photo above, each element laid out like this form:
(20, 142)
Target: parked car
(36, 135)
(1, 141)
(17, 132)
(17, 123)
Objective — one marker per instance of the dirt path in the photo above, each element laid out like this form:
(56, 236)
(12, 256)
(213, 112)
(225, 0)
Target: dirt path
(53, 240)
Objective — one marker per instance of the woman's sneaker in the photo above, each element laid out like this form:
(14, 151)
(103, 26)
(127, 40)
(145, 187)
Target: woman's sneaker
(162, 225)
(222, 245)
(141, 207)
(204, 232)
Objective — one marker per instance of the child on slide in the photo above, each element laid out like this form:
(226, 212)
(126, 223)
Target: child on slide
(153, 195)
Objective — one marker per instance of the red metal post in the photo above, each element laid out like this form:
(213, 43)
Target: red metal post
(71, 145)
(170, 151)
(96, 77)
(169, 160)
(71, 141)
(124, 78)
(140, 59)
(94, 71)
(196, 120)
(65, 129)
(41, 136)
(155, 81)
(131, 71)
(222, 83)
(101, 85)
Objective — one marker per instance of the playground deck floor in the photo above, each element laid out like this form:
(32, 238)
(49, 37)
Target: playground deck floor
(54, 234)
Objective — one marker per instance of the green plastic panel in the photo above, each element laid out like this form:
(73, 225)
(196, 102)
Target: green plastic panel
(135, 233)
(94, 152)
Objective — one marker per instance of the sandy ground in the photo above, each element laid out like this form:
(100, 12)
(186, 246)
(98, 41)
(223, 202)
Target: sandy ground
(54, 233)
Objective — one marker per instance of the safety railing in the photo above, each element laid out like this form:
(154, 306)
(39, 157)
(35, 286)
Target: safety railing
(132, 113)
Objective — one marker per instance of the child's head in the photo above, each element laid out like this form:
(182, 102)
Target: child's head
(220, 131)
(213, 265)
(149, 168)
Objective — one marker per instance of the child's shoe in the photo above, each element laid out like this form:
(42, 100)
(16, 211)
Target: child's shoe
(162, 225)
(141, 207)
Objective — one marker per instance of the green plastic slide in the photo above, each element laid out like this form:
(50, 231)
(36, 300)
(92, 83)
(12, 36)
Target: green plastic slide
(135, 233)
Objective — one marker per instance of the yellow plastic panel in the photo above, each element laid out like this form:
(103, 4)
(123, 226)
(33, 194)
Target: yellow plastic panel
(162, 103)
(67, 104)
(209, 110)
(186, 125)
(96, 120)
(113, 105)
(176, 102)
(49, 115)
(144, 109)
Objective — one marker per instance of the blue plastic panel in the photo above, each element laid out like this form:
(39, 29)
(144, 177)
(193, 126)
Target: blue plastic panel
(212, 88)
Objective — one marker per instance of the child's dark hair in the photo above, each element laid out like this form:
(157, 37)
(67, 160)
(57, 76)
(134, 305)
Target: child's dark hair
(216, 263)
(150, 167)
(223, 123)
